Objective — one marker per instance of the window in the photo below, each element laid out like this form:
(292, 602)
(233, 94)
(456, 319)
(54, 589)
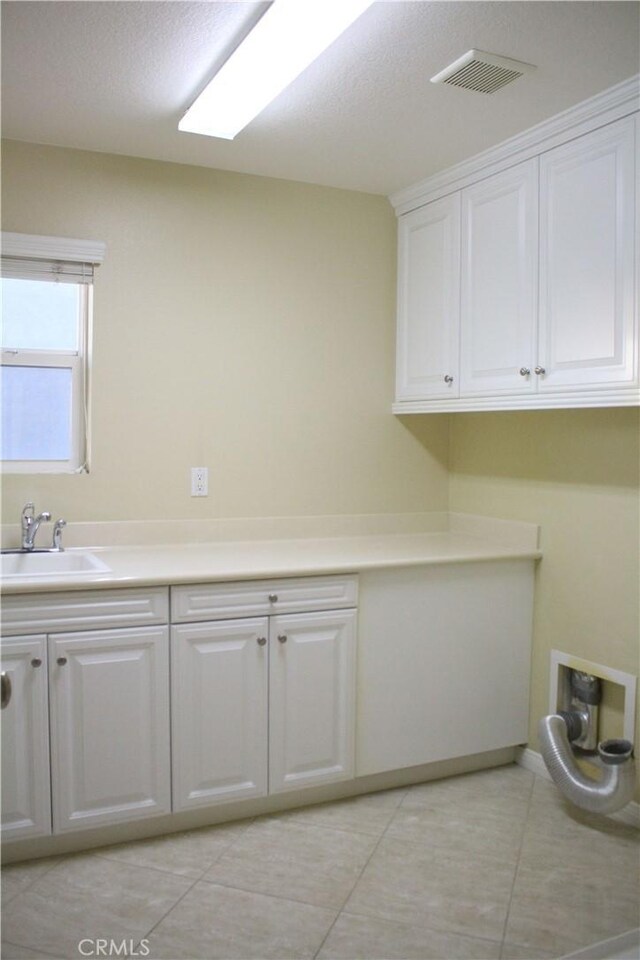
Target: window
(47, 286)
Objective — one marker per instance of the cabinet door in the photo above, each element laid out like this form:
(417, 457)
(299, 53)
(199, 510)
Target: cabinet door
(428, 301)
(219, 711)
(26, 788)
(499, 283)
(109, 726)
(588, 333)
(312, 699)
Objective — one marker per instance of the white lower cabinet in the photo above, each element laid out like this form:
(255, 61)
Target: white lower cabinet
(312, 699)
(26, 789)
(219, 693)
(109, 726)
(264, 704)
(97, 732)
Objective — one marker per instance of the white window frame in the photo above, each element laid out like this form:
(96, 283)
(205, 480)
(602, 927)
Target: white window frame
(48, 254)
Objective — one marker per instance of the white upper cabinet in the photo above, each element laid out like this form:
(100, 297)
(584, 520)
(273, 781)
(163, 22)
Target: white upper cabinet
(499, 279)
(428, 300)
(587, 209)
(537, 307)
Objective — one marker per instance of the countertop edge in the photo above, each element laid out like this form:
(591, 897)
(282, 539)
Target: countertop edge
(476, 552)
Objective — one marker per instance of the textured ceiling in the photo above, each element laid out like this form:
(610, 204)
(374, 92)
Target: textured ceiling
(117, 76)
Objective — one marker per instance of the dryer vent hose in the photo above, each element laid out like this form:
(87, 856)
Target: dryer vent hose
(606, 795)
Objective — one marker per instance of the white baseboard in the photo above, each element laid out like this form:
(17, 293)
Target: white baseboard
(531, 760)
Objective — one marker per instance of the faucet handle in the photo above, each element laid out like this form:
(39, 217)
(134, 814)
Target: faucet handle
(58, 527)
(28, 510)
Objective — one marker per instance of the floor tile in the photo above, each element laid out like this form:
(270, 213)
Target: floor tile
(577, 865)
(16, 877)
(11, 951)
(219, 923)
(187, 854)
(459, 829)
(560, 909)
(502, 791)
(594, 839)
(287, 859)
(411, 884)
(624, 946)
(438, 884)
(87, 896)
(362, 938)
(512, 951)
(368, 814)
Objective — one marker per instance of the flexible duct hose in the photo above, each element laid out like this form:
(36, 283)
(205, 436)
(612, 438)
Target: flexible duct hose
(607, 795)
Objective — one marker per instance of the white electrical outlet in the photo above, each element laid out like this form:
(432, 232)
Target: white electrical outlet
(199, 481)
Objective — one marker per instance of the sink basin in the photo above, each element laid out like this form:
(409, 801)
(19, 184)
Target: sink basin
(69, 563)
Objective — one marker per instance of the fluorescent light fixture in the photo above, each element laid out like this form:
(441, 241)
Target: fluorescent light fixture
(286, 39)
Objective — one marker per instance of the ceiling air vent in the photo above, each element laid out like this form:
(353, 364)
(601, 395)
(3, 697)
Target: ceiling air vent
(483, 72)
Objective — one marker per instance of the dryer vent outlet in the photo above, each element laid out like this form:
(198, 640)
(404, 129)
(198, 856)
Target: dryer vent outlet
(482, 72)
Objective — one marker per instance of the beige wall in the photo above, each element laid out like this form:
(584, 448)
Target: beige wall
(575, 472)
(242, 323)
(247, 324)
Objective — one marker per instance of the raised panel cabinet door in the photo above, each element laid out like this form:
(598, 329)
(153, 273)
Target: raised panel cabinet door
(219, 711)
(429, 301)
(588, 321)
(312, 699)
(499, 283)
(110, 750)
(26, 787)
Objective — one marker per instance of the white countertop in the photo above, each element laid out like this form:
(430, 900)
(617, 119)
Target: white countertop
(256, 559)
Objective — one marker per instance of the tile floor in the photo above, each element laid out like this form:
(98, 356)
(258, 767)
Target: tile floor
(482, 866)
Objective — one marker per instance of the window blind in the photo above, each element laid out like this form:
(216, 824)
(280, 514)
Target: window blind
(57, 271)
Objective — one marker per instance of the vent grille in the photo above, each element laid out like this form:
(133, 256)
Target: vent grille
(482, 72)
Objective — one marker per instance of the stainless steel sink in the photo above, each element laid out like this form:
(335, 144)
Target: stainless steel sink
(44, 564)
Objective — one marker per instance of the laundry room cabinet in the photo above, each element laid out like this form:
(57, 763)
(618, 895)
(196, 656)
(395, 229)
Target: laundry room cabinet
(109, 726)
(26, 790)
(265, 702)
(219, 690)
(312, 680)
(536, 305)
(85, 734)
(499, 283)
(429, 301)
(587, 332)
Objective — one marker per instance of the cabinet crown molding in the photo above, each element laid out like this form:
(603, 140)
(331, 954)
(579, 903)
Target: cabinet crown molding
(605, 107)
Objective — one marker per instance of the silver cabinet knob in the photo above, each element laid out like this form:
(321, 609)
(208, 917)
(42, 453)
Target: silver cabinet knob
(36, 662)
(448, 379)
(524, 371)
(282, 637)
(540, 371)
(6, 689)
(262, 641)
(273, 598)
(61, 661)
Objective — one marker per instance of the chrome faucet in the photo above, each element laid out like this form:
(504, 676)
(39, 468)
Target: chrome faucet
(31, 525)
